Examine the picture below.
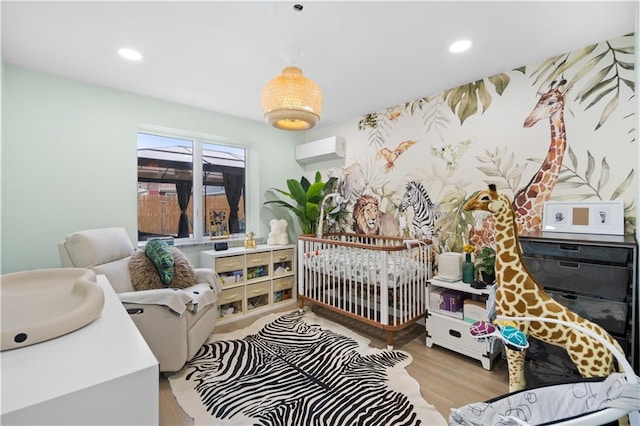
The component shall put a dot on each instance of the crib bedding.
(365, 266)
(375, 279)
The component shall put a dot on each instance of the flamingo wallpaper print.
(562, 129)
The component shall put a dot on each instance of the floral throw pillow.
(161, 255)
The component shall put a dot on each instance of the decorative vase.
(488, 278)
(468, 269)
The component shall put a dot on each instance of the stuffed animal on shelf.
(249, 242)
(278, 235)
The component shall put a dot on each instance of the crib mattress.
(366, 266)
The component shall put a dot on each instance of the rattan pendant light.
(291, 101)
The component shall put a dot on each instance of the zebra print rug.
(299, 369)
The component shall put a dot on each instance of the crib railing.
(380, 280)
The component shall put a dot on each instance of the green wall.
(69, 160)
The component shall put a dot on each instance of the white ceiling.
(365, 56)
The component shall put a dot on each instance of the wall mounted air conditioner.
(330, 148)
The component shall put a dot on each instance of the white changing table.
(103, 373)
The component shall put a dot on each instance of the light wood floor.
(446, 378)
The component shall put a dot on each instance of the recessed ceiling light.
(130, 54)
(460, 46)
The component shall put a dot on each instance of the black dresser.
(593, 275)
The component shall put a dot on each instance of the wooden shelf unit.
(253, 280)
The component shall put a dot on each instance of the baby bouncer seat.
(585, 402)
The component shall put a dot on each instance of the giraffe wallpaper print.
(562, 129)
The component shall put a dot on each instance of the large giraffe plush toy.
(519, 295)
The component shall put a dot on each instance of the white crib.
(375, 279)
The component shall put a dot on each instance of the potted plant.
(486, 263)
(307, 197)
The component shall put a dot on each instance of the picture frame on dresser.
(218, 224)
(584, 217)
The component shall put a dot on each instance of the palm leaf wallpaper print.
(545, 131)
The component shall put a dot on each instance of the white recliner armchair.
(174, 323)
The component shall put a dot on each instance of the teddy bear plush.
(278, 235)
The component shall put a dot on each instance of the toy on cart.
(504, 330)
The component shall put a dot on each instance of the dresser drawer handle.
(569, 247)
(569, 296)
(232, 296)
(455, 333)
(572, 265)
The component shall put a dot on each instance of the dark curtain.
(233, 189)
(183, 190)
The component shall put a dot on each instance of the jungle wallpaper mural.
(562, 129)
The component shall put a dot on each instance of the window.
(169, 167)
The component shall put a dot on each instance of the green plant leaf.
(281, 203)
(469, 104)
(489, 171)
(515, 172)
(627, 50)
(594, 83)
(568, 184)
(283, 192)
(585, 70)
(544, 67)
(330, 184)
(318, 177)
(573, 158)
(297, 191)
(623, 186)
(308, 198)
(604, 174)
(608, 109)
(304, 183)
(314, 193)
(453, 97)
(571, 60)
(500, 82)
(626, 65)
(509, 162)
(312, 212)
(484, 95)
(629, 83)
(591, 164)
(600, 96)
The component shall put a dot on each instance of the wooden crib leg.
(390, 340)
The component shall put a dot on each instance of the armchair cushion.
(174, 299)
(98, 246)
(161, 255)
(193, 298)
(144, 275)
(117, 272)
(201, 295)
